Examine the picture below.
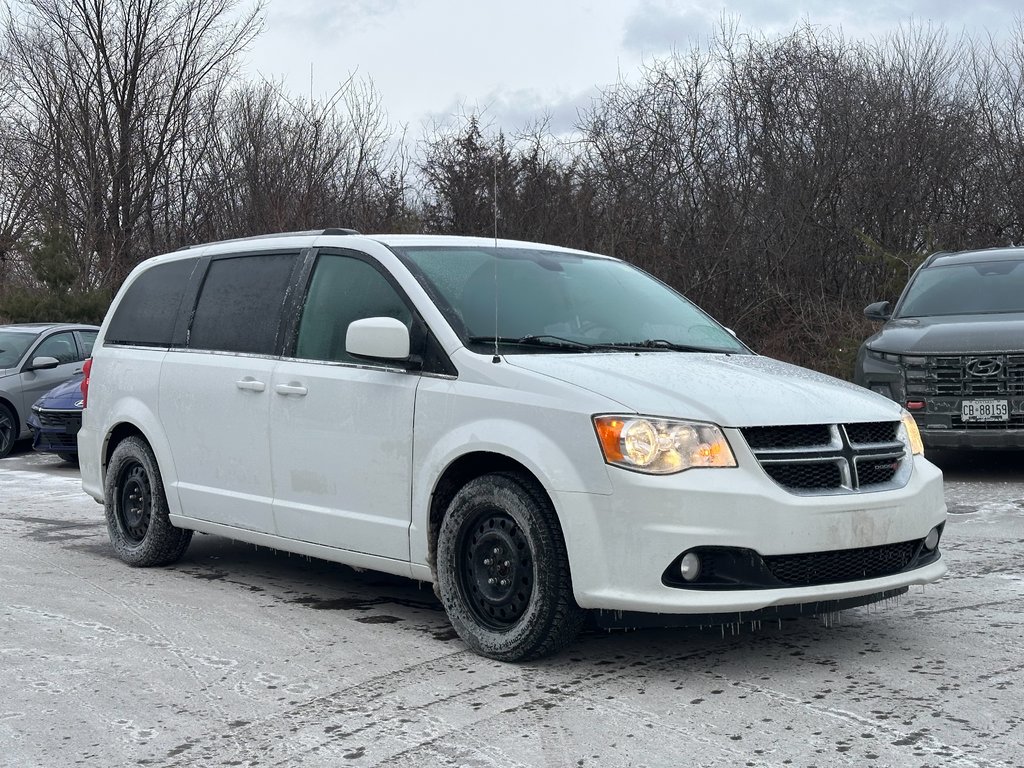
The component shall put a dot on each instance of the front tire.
(136, 508)
(9, 429)
(502, 570)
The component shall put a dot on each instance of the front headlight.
(913, 434)
(889, 357)
(661, 446)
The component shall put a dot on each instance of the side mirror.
(880, 311)
(384, 338)
(43, 363)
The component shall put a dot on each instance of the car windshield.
(986, 287)
(12, 346)
(527, 300)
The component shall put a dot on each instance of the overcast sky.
(518, 60)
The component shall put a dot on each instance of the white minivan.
(543, 433)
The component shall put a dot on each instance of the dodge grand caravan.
(543, 433)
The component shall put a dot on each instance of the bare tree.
(274, 163)
(110, 90)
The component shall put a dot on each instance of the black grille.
(71, 421)
(798, 436)
(805, 476)
(726, 568)
(57, 442)
(829, 458)
(842, 565)
(872, 432)
(951, 376)
(876, 472)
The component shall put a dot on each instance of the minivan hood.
(730, 390)
(962, 334)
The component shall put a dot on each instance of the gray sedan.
(35, 358)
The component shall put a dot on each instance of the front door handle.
(250, 384)
(291, 388)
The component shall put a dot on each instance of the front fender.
(556, 444)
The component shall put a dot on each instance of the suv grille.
(966, 375)
(831, 458)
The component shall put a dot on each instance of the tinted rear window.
(240, 304)
(148, 311)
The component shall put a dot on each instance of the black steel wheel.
(9, 429)
(502, 571)
(136, 508)
(496, 570)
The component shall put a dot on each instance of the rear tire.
(136, 508)
(9, 430)
(502, 570)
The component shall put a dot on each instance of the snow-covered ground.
(244, 656)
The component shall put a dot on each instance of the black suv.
(952, 351)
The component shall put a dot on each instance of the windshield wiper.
(534, 340)
(654, 344)
(560, 342)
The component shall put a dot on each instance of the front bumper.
(942, 427)
(55, 431)
(997, 439)
(620, 545)
(934, 391)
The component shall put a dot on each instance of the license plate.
(984, 410)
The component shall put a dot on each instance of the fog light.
(931, 541)
(689, 566)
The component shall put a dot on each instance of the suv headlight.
(661, 446)
(912, 434)
(887, 356)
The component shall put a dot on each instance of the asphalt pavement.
(244, 656)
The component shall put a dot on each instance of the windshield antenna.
(494, 202)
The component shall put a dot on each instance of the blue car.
(56, 418)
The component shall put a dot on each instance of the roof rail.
(932, 257)
(307, 233)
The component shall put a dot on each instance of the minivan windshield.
(12, 346)
(527, 300)
(986, 287)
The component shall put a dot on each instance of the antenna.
(494, 202)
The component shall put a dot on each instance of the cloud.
(520, 110)
(315, 19)
(655, 28)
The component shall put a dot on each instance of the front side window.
(343, 289)
(240, 304)
(59, 345)
(525, 299)
(965, 289)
